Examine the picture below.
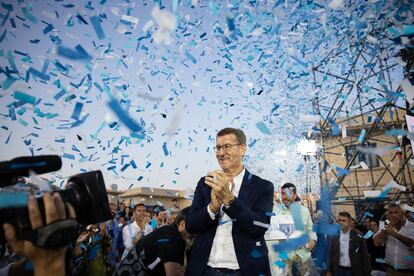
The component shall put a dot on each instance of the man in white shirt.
(228, 215)
(133, 232)
(348, 254)
(398, 237)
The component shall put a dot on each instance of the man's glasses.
(225, 147)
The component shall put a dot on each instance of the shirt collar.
(238, 179)
(346, 233)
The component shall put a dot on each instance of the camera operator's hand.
(45, 261)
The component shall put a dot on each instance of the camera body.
(86, 192)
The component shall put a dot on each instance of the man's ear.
(243, 149)
(181, 226)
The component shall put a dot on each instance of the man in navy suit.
(229, 215)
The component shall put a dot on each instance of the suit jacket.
(255, 199)
(358, 255)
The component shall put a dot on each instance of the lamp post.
(307, 148)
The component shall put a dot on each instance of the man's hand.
(310, 245)
(137, 237)
(45, 261)
(389, 229)
(215, 203)
(219, 183)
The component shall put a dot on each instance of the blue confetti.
(77, 111)
(368, 234)
(361, 136)
(252, 143)
(328, 229)
(342, 171)
(287, 191)
(230, 24)
(291, 244)
(283, 255)
(69, 156)
(335, 128)
(24, 98)
(78, 54)
(2, 36)
(280, 264)
(29, 16)
(125, 167)
(48, 28)
(164, 148)
(38, 74)
(190, 57)
(123, 116)
(96, 24)
(263, 128)
(396, 132)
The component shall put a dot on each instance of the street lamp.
(307, 148)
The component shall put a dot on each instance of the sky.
(139, 89)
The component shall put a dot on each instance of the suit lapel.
(352, 240)
(246, 186)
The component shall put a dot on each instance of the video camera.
(86, 192)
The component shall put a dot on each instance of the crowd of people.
(225, 232)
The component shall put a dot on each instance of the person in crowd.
(375, 252)
(299, 261)
(228, 215)
(175, 208)
(162, 218)
(122, 209)
(171, 217)
(122, 221)
(162, 252)
(133, 232)
(354, 226)
(409, 216)
(347, 254)
(367, 224)
(114, 230)
(398, 237)
(129, 214)
(44, 261)
(154, 222)
(92, 252)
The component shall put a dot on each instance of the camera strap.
(55, 235)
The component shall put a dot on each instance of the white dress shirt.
(223, 254)
(344, 249)
(129, 232)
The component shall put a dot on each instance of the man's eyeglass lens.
(226, 147)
